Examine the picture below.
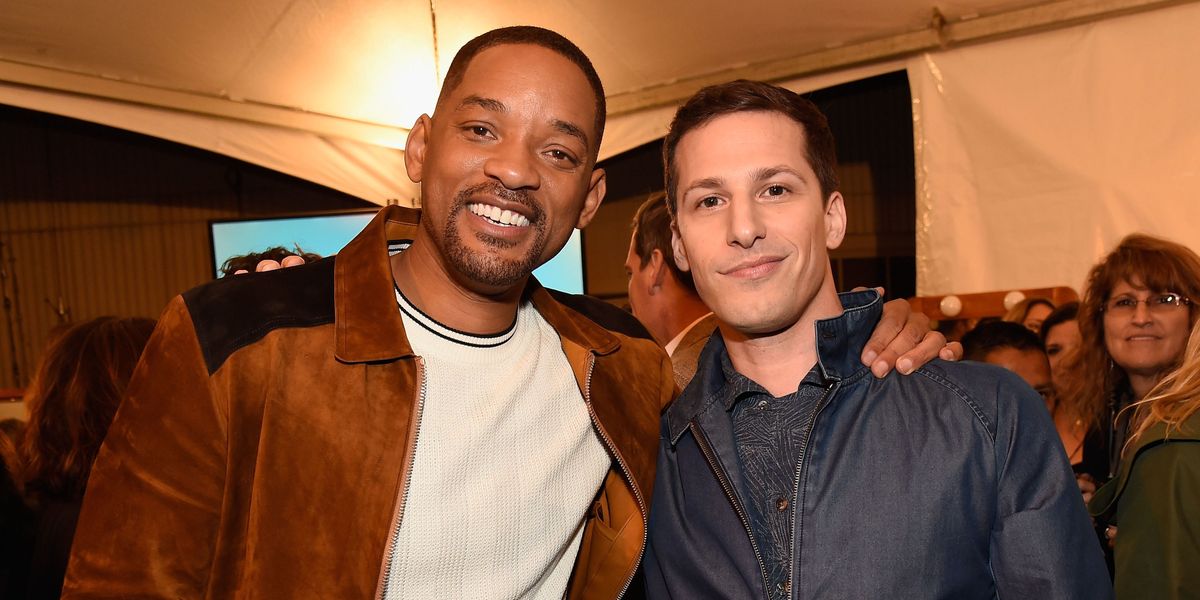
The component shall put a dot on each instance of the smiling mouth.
(498, 216)
(753, 268)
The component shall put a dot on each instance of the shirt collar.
(840, 341)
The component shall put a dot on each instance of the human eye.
(1122, 303)
(709, 202)
(1168, 299)
(1053, 349)
(558, 155)
(775, 190)
(478, 130)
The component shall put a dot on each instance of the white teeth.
(496, 215)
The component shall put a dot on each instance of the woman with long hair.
(1134, 319)
(1155, 499)
(71, 402)
(1060, 339)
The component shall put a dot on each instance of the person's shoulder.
(988, 390)
(974, 378)
(603, 314)
(237, 310)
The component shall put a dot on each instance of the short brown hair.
(535, 36)
(652, 231)
(744, 96)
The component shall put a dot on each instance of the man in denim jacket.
(785, 469)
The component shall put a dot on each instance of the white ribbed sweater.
(506, 466)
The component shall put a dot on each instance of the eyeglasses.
(1158, 303)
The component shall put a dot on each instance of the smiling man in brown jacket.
(417, 417)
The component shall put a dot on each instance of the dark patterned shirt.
(770, 434)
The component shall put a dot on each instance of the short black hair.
(994, 335)
(536, 36)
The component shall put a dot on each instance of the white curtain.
(1036, 154)
(371, 172)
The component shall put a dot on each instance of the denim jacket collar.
(840, 341)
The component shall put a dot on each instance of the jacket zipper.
(637, 494)
(389, 553)
(802, 469)
(706, 449)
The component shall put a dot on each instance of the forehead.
(525, 78)
(741, 141)
(1024, 362)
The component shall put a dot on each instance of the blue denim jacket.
(948, 483)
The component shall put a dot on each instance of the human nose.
(745, 223)
(1141, 313)
(512, 164)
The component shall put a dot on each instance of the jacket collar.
(569, 324)
(1106, 497)
(369, 326)
(840, 341)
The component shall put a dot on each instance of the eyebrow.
(572, 130)
(769, 172)
(755, 175)
(707, 182)
(491, 104)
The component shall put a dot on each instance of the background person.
(1060, 338)
(1014, 347)
(1155, 499)
(1134, 320)
(1030, 313)
(71, 402)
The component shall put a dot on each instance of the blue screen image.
(328, 234)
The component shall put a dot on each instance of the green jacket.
(1155, 503)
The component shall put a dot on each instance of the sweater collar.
(369, 327)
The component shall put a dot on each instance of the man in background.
(1014, 347)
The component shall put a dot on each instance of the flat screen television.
(326, 234)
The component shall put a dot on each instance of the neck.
(680, 309)
(779, 361)
(1142, 384)
(423, 276)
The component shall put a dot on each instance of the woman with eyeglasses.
(1155, 498)
(1134, 320)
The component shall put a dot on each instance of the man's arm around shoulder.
(1043, 545)
(149, 521)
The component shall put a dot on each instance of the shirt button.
(762, 404)
(781, 504)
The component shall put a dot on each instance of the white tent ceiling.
(325, 89)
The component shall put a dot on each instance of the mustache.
(496, 190)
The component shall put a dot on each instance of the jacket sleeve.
(1043, 545)
(1158, 524)
(149, 520)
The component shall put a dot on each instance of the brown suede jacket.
(267, 436)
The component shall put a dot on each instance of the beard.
(490, 267)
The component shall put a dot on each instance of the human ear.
(681, 259)
(658, 266)
(595, 195)
(835, 221)
(414, 148)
